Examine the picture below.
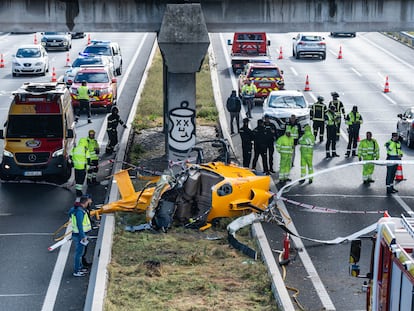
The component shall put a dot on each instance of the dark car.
(56, 41)
(405, 126)
(77, 35)
(343, 34)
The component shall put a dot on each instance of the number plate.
(33, 173)
(265, 84)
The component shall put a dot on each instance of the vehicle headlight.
(57, 153)
(104, 91)
(7, 154)
(39, 63)
(43, 43)
(65, 42)
(16, 63)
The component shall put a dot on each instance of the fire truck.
(390, 284)
(248, 47)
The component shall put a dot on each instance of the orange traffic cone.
(399, 174)
(340, 53)
(386, 214)
(1, 61)
(53, 75)
(286, 247)
(280, 53)
(89, 39)
(307, 87)
(387, 86)
(35, 39)
(67, 60)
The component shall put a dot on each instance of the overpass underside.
(220, 15)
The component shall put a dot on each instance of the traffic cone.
(386, 214)
(1, 61)
(340, 53)
(286, 247)
(35, 39)
(307, 87)
(387, 86)
(67, 60)
(280, 53)
(399, 174)
(53, 75)
(89, 39)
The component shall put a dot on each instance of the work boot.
(310, 181)
(301, 181)
(335, 155)
(79, 193)
(94, 181)
(354, 154)
(328, 155)
(347, 155)
(89, 181)
(89, 121)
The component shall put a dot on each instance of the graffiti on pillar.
(182, 131)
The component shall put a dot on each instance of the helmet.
(320, 98)
(334, 94)
(114, 109)
(91, 132)
(83, 142)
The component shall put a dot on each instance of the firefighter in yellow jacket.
(284, 145)
(93, 148)
(80, 159)
(306, 142)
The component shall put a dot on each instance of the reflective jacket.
(330, 118)
(80, 157)
(318, 111)
(249, 90)
(354, 118)
(393, 148)
(368, 149)
(307, 141)
(84, 92)
(284, 144)
(80, 221)
(93, 148)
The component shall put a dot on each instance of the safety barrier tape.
(287, 187)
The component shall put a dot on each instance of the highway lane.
(359, 78)
(30, 213)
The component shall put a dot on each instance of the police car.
(108, 49)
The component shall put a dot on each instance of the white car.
(304, 45)
(85, 59)
(30, 59)
(280, 105)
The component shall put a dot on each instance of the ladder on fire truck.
(408, 224)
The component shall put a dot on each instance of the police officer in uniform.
(317, 115)
(330, 118)
(271, 135)
(340, 111)
(246, 135)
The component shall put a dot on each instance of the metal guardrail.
(403, 37)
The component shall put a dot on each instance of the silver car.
(405, 126)
(30, 59)
(280, 105)
(309, 45)
(56, 41)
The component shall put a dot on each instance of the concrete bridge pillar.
(183, 40)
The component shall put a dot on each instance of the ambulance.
(38, 133)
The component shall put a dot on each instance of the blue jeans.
(79, 250)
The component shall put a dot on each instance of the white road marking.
(356, 71)
(389, 99)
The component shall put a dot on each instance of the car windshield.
(264, 72)
(311, 38)
(98, 50)
(39, 126)
(54, 33)
(87, 61)
(291, 101)
(28, 53)
(92, 77)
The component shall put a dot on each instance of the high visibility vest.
(368, 149)
(83, 92)
(284, 144)
(86, 223)
(338, 106)
(393, 148)
(353, 118)
(318, 111)
(306, 142)
(294, 131)
(92, 147)
(331, 118)
(249, 90)
(80, 156)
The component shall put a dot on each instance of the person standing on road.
(260, 145)
(394, 153)
(354, 121)
(330, 118)
(368, 149)
(284, 145)
(249, 91)
(81, 224)
(306, 142)
(113, 121)
(93, 148)
(247, 137)
(233, 106)
(84, 93)
(340, 111)
(317, 115)
(271, 136)
(80, 158)
(295, 132)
